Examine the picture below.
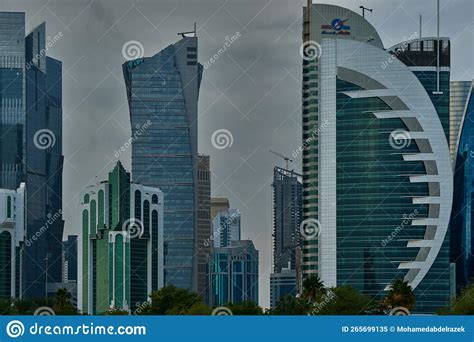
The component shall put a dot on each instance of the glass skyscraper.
(462, 220)
(377, 172)
(164, 90)
(31, 145)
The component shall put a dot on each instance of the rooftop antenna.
(365, 9)
(438, 48)
(286, 159)
(194, 32)
(421, 25)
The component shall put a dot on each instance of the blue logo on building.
(338, 26)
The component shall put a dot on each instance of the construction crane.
(286, 159)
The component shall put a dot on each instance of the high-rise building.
(204, 226)
(31, 147)
(163, 93)
(122, 250)
(377, 174)
(287, 217)
(233, 273)
(226, 228)
(70, 259)
(12, 235)
(459, 95)
(218, 204)
(462, 220)
(282, 284)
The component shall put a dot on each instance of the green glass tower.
(122, 252)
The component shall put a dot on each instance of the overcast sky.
(253, 90)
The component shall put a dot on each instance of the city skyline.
(249, 157)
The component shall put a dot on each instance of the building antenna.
(421, 26)
(438, 48)
(365, 9)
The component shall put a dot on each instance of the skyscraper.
(218, 204)
(287, 217)
(122, 243)
(164, 90)
(377, 173)
(459, 96)
(226, 228)
(462, 220)
(233, 273)
(31, 145)
(204, 226)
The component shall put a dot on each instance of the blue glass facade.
(462, 225)
(163, 90)
(31, 92)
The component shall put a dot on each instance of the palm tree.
(400, 294)
(63, 303)
(313, 288)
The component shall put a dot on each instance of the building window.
(428, 45)
(415, 46)
(138, 204)
(9, 207)
(154, 199)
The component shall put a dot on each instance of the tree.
(344, 300)
(463, 304)
(171, 300)
(63, 303)
(400, 294)
(199, 309)
(245, 308)
(313, 289)
(116, 312)
(290, 305)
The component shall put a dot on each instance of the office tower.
(218, 204)
(287, 217)
(12, 235)
(70, 259)
(31, 123)
(226, 228)
(462, 222)
(377, 174)
(204, 227)
(459, 93)
(163, 93)
(122, 251)
(233, 273)
(282, 284)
